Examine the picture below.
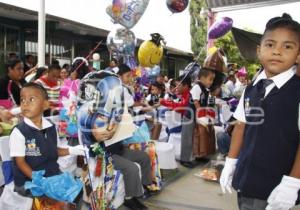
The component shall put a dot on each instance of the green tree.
(233, 54)
(198, 29)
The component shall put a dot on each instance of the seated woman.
(12, 82)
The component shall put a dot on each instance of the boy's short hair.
(54, 67)
(204, 72)
(123, 69)
(172, 83)
(285, 21)
(38, 87)
(184, 80)
(158, 85)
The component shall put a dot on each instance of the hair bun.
(286, 16)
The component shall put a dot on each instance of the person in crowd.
(40, 72)
(12, 81)
(171, 93)
(64, 74)
(204, 140)
(156, 92)
(66, 66)
(113, 66)
(12, 56)
(241, 82)
(230, 84)
(200, 90)
(29, 63)
(152, 100)
(33, 142)
(184, 106)
(50, 82)
(160, 79)
(263, 163)
(126, 78)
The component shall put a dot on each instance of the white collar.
(45, 123)
(280, 79)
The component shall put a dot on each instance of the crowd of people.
(252, 123)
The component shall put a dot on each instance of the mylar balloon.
(176, 6)
(220, 28)
(155, 71)
(127, 12)
(121, 42)
(100, 103)
(151, 51)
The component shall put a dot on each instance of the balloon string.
(191, 67)
(89, 55)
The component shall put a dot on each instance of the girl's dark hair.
(123, 68)
(12, 64)
(285, 21)
(38, 87)
(159, 86)
(82, 70)
(39, 72)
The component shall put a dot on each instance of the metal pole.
(41, 34)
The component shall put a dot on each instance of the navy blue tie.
(262, 85)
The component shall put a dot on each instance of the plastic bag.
(61, 187)
(12, 200)
(140, 135)
(211, 171)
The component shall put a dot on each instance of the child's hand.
(78, 150)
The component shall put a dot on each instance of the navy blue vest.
(203, 96)
(269, 148)
(41, 152)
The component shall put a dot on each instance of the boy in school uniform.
(34, 141)
(204, 141)
(263, 164)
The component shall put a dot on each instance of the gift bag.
(67, 126)
(204, 141)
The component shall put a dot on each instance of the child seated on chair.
(34, 141)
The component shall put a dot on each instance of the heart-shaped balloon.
(176, 6)
(127, 12)
(121, 42)
(220, 28)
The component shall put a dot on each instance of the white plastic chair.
(163, 137)
(173, 120)
(9, 199)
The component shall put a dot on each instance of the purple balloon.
(176, 6)
(220, 28)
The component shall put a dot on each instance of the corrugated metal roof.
(225, 5)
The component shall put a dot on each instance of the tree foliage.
(198, 29)
(233, 54)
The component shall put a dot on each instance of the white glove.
(227, 174)
(284, 196)
(78, 150)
